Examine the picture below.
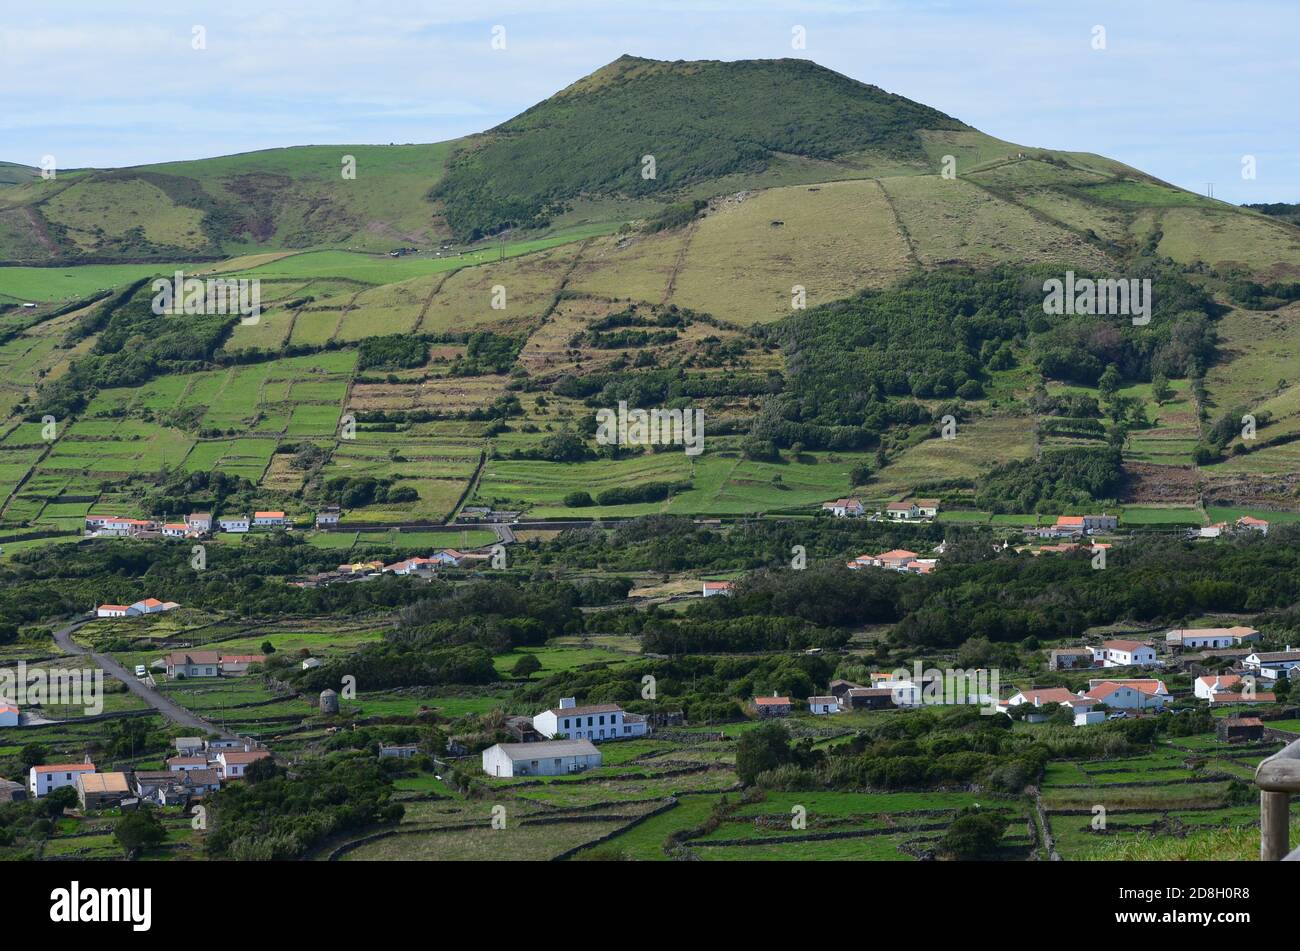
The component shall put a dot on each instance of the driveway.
(172, 711)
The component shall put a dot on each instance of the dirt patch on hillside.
(1151, 483)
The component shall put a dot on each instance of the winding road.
(171, 710)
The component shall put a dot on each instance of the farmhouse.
(43, 780)
(772, 706)
(714, 588)
(188, 745)
(1100, 523)
(902, 510)
(897, 560)
(175, 529)
(1249, 523)
(150, 606)
(111, 610)
(200, 522)
(549, 758)
(1066, 526)
(869, 698)
(842, 508)
(114, 527)
(328, 516)
(197, 664)
(823, 705)
(413, 566)
(269, 520)
(102, 790)
(927, 508)
(1210, 637)
(160, 786)
(397, 750)
(600, 721)
(1121, 653)
(1129, 694)
(235, 524)
(237, 664)
(1270, 665)
(449, 556)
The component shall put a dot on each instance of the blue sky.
(1183, 89)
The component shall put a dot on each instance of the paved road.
(172, 711)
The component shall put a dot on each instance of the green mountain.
(699, 121)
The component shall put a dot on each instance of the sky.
(1185, 90)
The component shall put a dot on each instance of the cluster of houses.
(194, 525)
(914, 510)
(562, 739)
(898, 559)
(419, 566)
(1246, 523)
(138, 609)
(199, 768)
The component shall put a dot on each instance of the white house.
(235, 524)
(548, 758)
(1206, 687)
(199, 521)
(903, 510)
(448, 556)
(150, 606)
(329, 515)
(1040, 697)
(1253, 524)
(269, 520)
(842, 508)
(413, 566)
(1124, 653)
(714, 588)
(233, 764)
(43, 780)
(111, 610)
(1211, 637)
(1271, 665)
(599, 721)
(183, 764)
(8, 714)
(926, 508)
(823, 705)
(190, 664)
(1129, 694)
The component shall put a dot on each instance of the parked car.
(1118, 716)
(140, 671)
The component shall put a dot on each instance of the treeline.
(1056, 481)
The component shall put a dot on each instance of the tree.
(138, 830)
(1109, 382)
(526, 666)
(33, 754)
(763, 748)
(268, 647)
(973, 834)
(1161, 391)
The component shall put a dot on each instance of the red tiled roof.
(771, 701)
(65, 768)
